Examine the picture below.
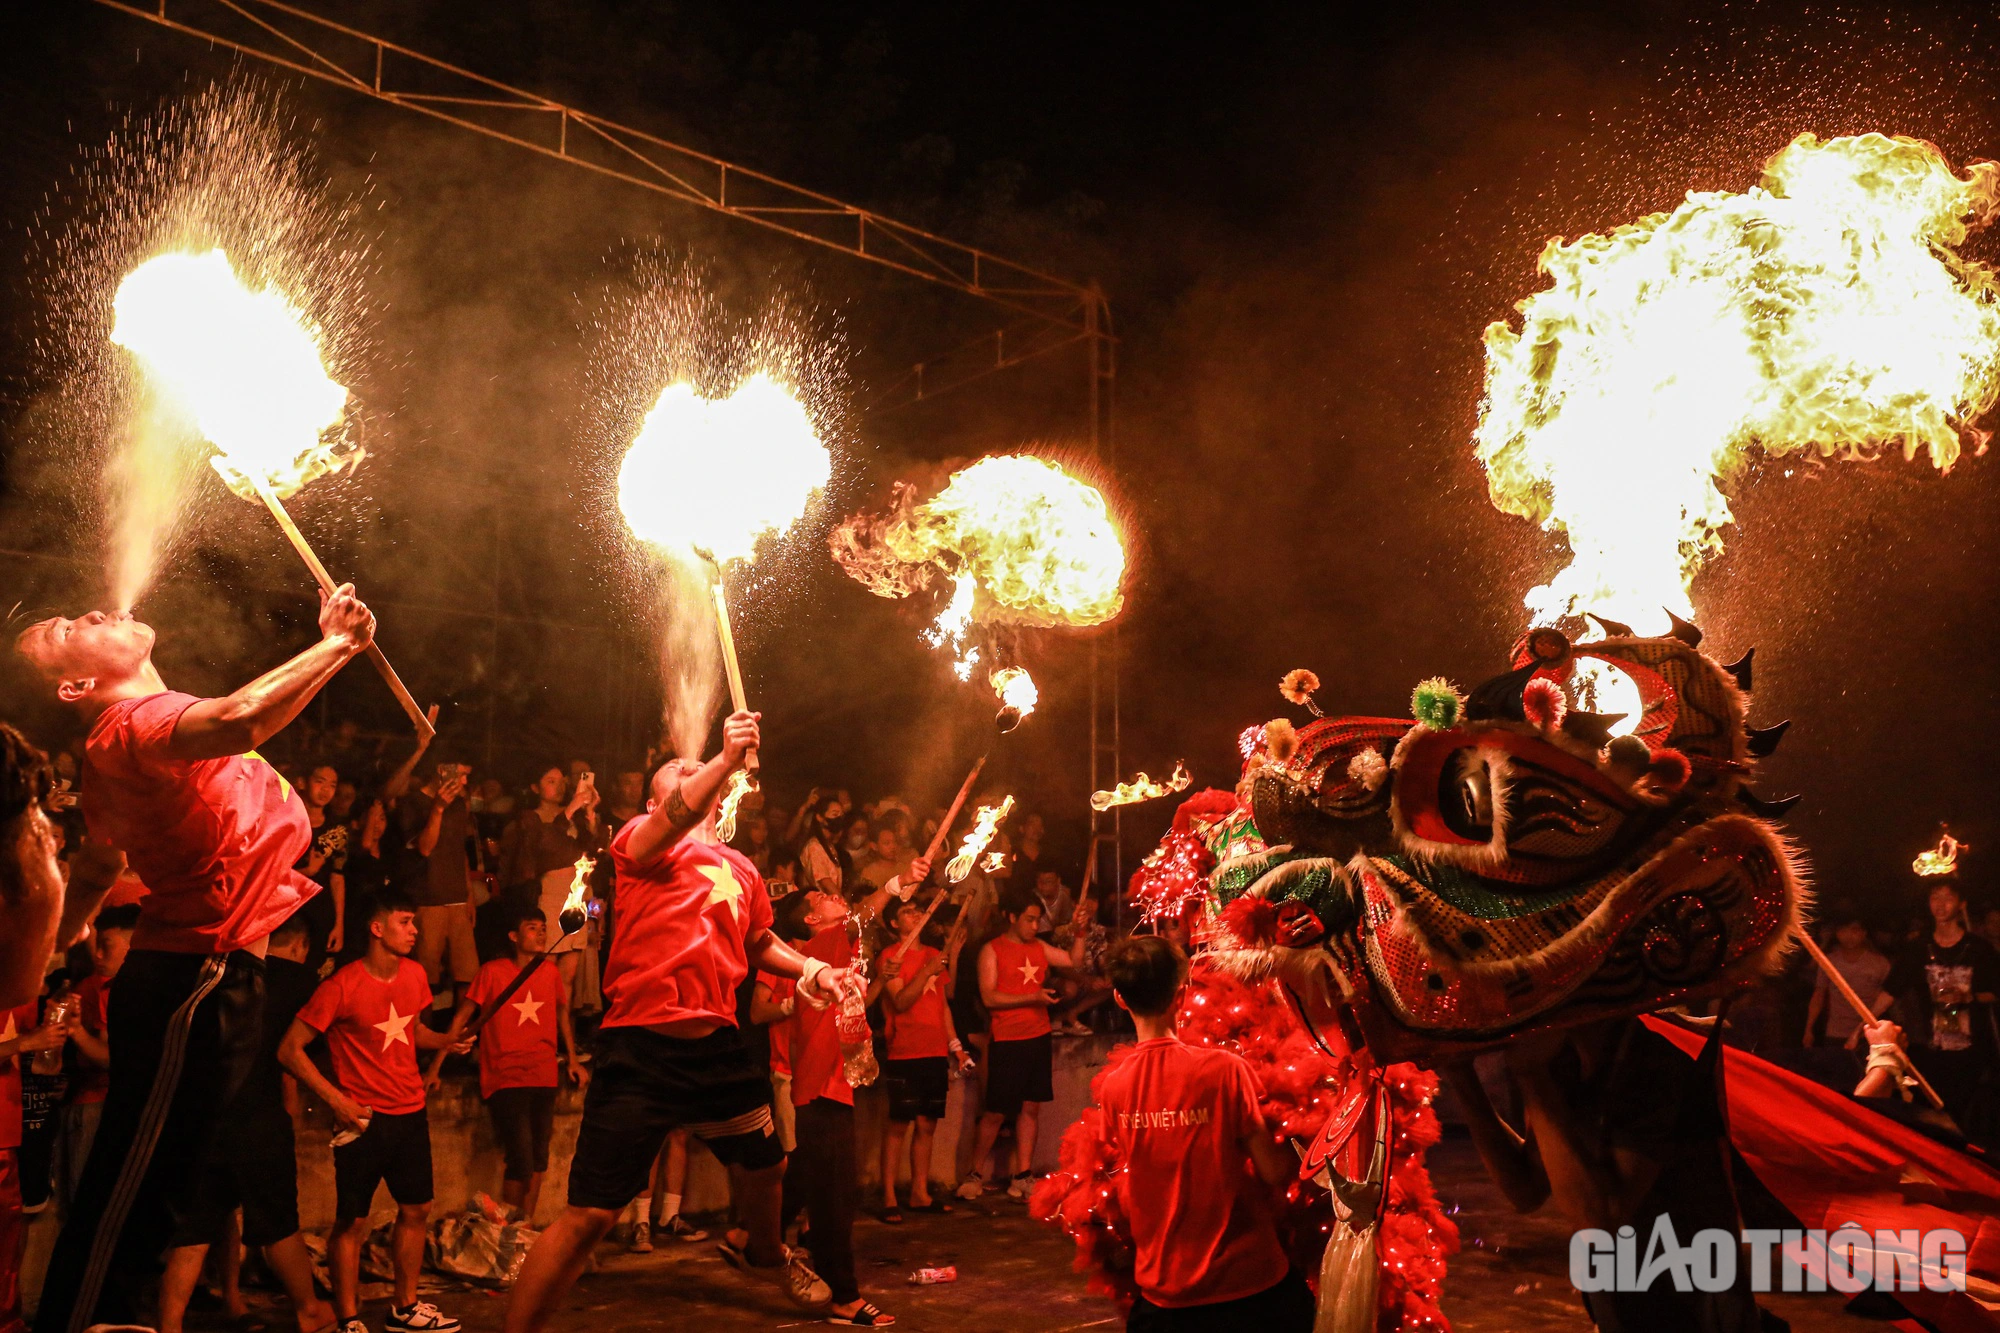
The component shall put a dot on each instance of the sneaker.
(683, 1230)
(972, 1186)
(1021, 1186)
(642, 1238)
(803, 1287)
(418, 1317)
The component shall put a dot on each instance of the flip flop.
(891, 1215)
(938, 1206)
(866, 1317)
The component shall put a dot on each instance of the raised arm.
(238, 723)
(682, 800)
(398, 782)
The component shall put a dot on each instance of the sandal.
(865, 1317)
(934, 1206)
(891, 1215)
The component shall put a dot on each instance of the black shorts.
(256, 1169)
(523, 1119)
(1284, 1308)
(917, 1087)
(1018, 1072)
(643, 1085)
(396, 1150)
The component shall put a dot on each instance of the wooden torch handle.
(1861, 1009)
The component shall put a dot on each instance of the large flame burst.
(244, 366)
(1940, 860)
(1019, 540)
(984, 825)
(718, 474)
(1823, 312)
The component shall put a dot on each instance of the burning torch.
(573, 917)
(246, 366)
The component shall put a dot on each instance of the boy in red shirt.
(370, 1012)
(175, 783)
(693, 920)
(1207, 1255)
(19, 1039)
(923, 1046)
(1020, 1068)
(517, 1054)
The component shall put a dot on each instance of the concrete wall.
(466, 1160)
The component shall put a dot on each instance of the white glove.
(809, 988)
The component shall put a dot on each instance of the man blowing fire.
(175, 782)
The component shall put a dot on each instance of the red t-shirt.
(88, 1083)
(517, 1047)
(817, 1067)
(1201, 1223)
(14, 1023)
(214, 839)
(683, 920)
(369, 1025)
(782, 989)
(918, 1032)
(1019, 969)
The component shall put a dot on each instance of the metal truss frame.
(1050, 313)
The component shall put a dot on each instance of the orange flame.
(1142, 788)
(1015, 689)
(1824, 312)
(984, 825)
(1942, 859)
(244, 366)
(579, 886)
(732, 797)
(994, 863)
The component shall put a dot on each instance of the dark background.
(1303, 217)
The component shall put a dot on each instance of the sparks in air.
(1141, 788)
(1015, 689)
(243, 365)
(574, 912)
(738, 787)
(984, 825)
(759, 446)
(1825, 312)
(1940, 860)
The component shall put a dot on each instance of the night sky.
(1302, 220)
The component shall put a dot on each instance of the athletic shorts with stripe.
(642, 1085)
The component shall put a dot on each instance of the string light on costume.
(1942, 859)
(984, 825)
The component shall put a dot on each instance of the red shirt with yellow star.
(370, 1032)
(517, 1047)
(916, 1033)
(683, 920)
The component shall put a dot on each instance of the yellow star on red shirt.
(1030, 973)
(11, 1031)
(725, 888)
(530, 1011)
(394, 1028)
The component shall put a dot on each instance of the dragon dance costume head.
(1504, 861)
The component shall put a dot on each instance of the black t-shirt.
(756, 1037)
(287, 987)
(1927, 970)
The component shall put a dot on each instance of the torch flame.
(732, 796)
(1941, 860)
(1142, 788)
(1016, 689)
(994, 863)
(573, 908)
(717, 474)
(984, 825)
(953, 627)
(1823, 312)
(245, 366)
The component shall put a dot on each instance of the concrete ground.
(1015, 1276)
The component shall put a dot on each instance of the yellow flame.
(732, 797)
(984, 825)
(717, 474)
(1016, 689)
(1036, 545)
(1822, 312)
(953, 628)
(1142, 788)
(244, 366)
(1600, 687)
(1941, 860)
(994, 863)
(579, 885)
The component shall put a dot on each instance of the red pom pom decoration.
(1670, 769)
(1209, 803)
(1252, 920)
(1543, 703)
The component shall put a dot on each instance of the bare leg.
(177, 1284)
(227, 1254)
(553, 1266)
(343, 1261)
(760, 1203)
(672, 1173)
(514, 1193)
(1024, 1136)
(289, 1260)
(534, 1197)
(406, 1243)
(892, 1152)
(922, 1137)
(990, 1125)
(973, 1093)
